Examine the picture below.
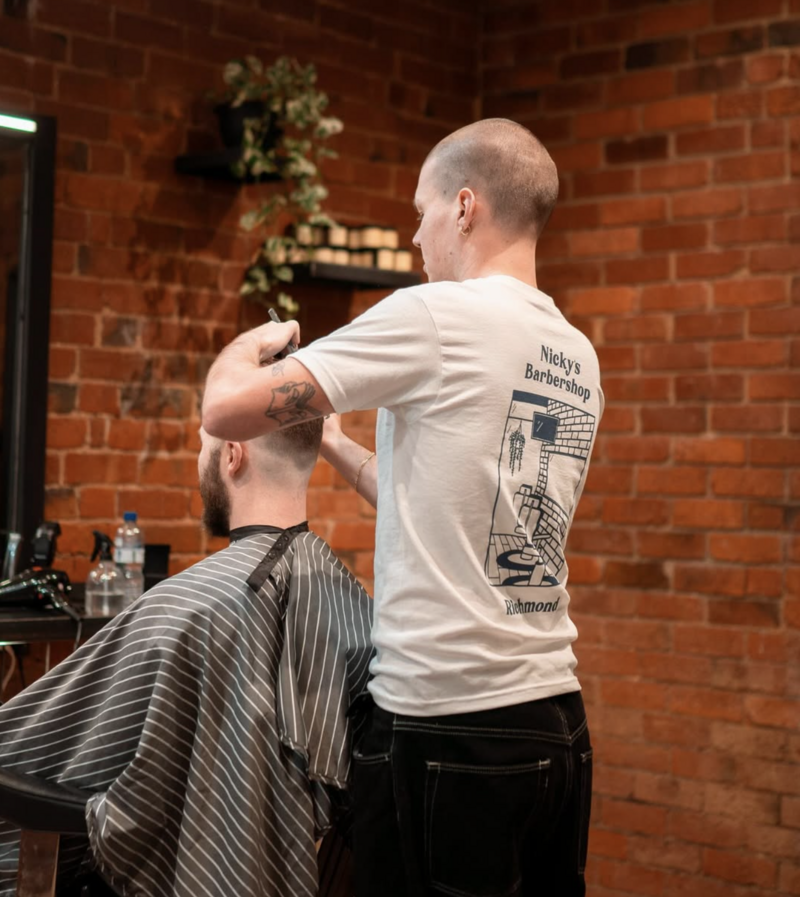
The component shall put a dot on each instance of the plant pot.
(231, 122)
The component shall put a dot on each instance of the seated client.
(210, 718)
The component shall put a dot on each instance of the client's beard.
(216, 502)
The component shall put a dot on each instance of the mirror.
(27, 167)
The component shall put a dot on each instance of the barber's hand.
(269, 340)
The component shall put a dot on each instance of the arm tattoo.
(290, 403)
(278, 367)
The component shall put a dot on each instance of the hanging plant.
(516, 448)
(286, 140)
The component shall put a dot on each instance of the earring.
(465, 233)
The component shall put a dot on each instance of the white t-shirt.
(489, 405)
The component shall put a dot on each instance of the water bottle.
(105, 591)
(129, 556)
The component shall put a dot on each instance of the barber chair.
(45, 811)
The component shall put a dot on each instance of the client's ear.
(234, 458)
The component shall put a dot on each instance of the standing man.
(474, 775)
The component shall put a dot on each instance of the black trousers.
(487, 804)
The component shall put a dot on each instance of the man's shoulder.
(226, 569)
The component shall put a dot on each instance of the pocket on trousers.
(474, 818)
(585, 808)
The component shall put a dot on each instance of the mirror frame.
(24, 421)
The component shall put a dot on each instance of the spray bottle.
(105, 591)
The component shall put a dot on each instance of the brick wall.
(147, 263)
(676, 248)
(675, 127)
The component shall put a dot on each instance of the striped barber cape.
(211, 720)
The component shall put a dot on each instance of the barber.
(474, 774)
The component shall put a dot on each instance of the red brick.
(160, 504)
(708, 514)
(753, 167)
(634, 329)
(611, 241)
(98, 502)
(751, 292)
(684, 18)
(98, 397)
(674, 176)
(709, 387)
(707, 203)
(75, 15)
(126, 434)
(633, 210)
(722, 43)
(80, 89)
(765, 69)
(62, 363)
(747, 419)
(735, 867)
(94, 467)
(600, 183)
(710, 264)
(675, 236)
(633, 817)
(736, 10)
(714, 641)
(684, 419)
(717, 76)
(607, 123)
(637, 270)
(671, 545)
(767, 134)
(776, 321)
(755, 229)
(636, 389)
(672, 357)
(603, 300)
(775, 258)
(709, 326)
(742, 104)
(774, 386)
(774, 198)
(635, 511)
(72, 329)
(745, 549)
(674, 297)
(705, 703)
(783, 101)
(640, 87)
(65, 432)
(681, 481)
(672, 113)
(774, 452)
(169, 471)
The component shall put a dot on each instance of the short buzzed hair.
(300, 443)
(507, 164)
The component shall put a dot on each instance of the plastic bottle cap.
(129, 516)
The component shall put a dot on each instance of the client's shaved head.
(505, 164)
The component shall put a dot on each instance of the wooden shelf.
(217, 165)
(354, 277)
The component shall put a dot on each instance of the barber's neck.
(254, 505)
(496, 256)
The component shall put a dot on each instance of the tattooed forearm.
(291, 403)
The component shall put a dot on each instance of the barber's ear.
(234, 458)
(466, 208)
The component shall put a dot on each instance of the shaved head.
(502, 162)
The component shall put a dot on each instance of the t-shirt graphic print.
(543, 456)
